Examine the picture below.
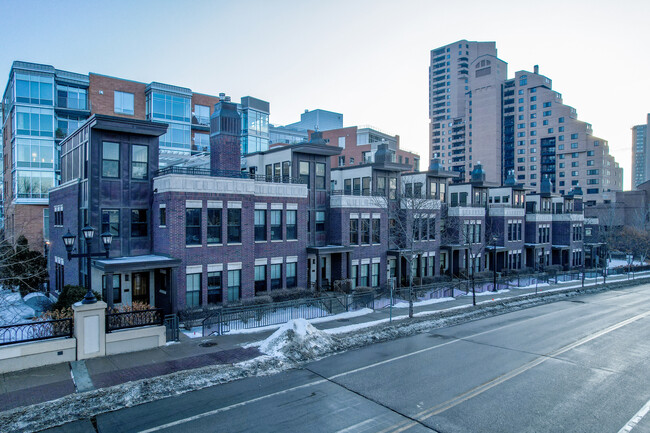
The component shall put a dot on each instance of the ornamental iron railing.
(134, 319)
(35, 331)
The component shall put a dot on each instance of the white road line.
(636, 418)
(336, 376)
(356, 426)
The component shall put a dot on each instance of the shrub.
(70, 295)
(281, 295)
(362, 290)
(257, 300)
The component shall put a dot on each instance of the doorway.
(140, 287)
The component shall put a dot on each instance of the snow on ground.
(422, 303)
(532, 286)
(297, 340)
(195, 332)
(616, 263)
(13, 309)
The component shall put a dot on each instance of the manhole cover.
(208, 344)
(343, 320)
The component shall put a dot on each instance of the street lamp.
(494, 263)
(88, 234)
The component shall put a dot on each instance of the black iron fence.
(34, 331)
(134, 319)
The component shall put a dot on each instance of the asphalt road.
(581, 365)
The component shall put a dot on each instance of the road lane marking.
(336, 376)
(636, 418)
(357, 425)
(442, 407)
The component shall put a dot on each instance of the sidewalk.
(42, 384)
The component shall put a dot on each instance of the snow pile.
(297, 340)
(422, 303)
(13, 309)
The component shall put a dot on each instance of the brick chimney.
(225, 137)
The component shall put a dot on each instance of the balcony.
(193, 171)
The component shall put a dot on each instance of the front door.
(141, 287)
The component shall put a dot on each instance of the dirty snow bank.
(297, 340)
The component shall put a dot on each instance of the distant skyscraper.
(640, 156)
(515, 125)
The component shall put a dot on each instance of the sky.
(366, 59)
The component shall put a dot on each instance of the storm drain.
(208, 344)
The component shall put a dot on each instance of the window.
(234, 285)
(341, 161)
(111, 221)
(320, 221)
(276, 276)
(590, 153)
(574, 164)
(363, 275)
(354, 232)
(303, 168)
(347, 186)
(193, 226)
(291, 275)
(342, 142)
(117, 288)
(260, 225)
(214, 226)
(366, 186)
(365, 231)
(193, 290)
(71, 97)
(260, 278)
(292, 226)
(376, 231)
(574, 136)
(215, 289)
(234, 227)
(375, 275)
(163, 216)
(34, 89)
(276, 225)
(574, 145)
(139, 162)
(123, 102)
(139, 223)
(432, 228)
(58, 215)
(201, 114)
(110, 159)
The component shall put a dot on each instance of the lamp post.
(88, 234)
(494, 263)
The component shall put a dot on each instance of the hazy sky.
(366, 59)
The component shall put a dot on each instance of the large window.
(291, 275)
(260, 225)
(124, 102)
(292, 225)
(276, 225)
(320, 221)
(234, 285)
(111, 221)
(34, 89)
(37, 122)
(117, 289)
(215, 289)
(168, 107)
(33, 184)
(276, 276)
(177, 136)
(139, 162)
(365, 231)
(363, 275)
(260, 278)
(66, 125)
(376, 234)
(320, 175)
(354, 232)
(214, 225)
(303, 168)
(71, 97)
(375, 275)
(354, 275)
(139, 223)
(110, 159)
(193, 290)
(201, 142)
(234, 226)
(34, 153)
(201, 115)
(193, 226)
